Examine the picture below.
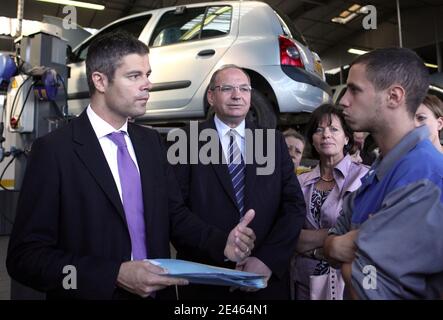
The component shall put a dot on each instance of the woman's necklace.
(326, 180)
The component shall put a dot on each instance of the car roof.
(190, 5)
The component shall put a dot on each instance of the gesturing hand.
(241, 239)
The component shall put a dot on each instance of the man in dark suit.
(99, 196)
(220, 193)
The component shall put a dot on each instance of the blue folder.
(206, 274)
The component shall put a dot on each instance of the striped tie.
(236, 169)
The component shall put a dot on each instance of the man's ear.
(100, 81)
(396, 96)
(210, 97)
(440, 123)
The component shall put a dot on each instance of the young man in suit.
(99, 196)
(221, 192)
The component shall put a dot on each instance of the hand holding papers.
(143, 279)
(206, 274)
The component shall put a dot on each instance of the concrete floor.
(5, 281)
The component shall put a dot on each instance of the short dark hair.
(293, 133)
(388, 66)
(226, 66)
(105, 54)
(328, 110)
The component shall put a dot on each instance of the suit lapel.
(221, 170)
(89, 151)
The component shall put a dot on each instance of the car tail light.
(289, 53)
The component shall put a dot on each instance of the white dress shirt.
(102, 129)
(223, 133)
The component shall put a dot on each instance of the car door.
(185, 45)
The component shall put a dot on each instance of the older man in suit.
(99, 196)
(221, 192)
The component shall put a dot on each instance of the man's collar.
(223, 128)
(406, 144)
(100, 126)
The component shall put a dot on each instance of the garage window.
(192, 24)
(217, 22)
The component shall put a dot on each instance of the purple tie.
(132, 196)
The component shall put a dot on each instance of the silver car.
(188, 43)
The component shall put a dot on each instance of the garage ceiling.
(313, 17)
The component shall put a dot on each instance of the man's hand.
(254, 265)
(143, 278)
(342, 248)
(241, 239)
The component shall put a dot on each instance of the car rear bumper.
(296, 92)
(301, 75)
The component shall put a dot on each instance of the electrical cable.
(4, 171)
(24, 103)
(16, 95)
(66, 95)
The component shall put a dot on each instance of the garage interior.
(334, 29)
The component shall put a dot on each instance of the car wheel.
(261, 111)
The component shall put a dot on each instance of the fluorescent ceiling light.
(344, 20)
(357, 51)
(431, 65)
(333, 70)
(344, 14)
(354, 7)
(336, 70)
(76, 4)
(436, 88)
(347, 15)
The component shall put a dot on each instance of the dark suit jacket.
(70, 213)
(278, 203)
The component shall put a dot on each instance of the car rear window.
(191, 24)
(289, 28)
(133, 26)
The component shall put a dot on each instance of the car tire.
(261, 111)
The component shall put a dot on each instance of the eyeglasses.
(226, 88)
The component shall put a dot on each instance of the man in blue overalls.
(389, 238)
